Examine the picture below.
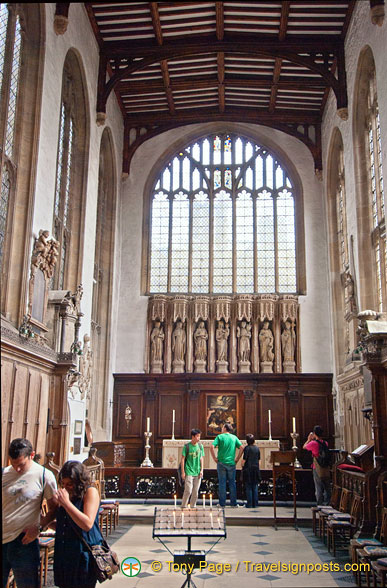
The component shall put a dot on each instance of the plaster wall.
(133, 306)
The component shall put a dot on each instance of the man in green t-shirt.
(192, 469)
(227, 443)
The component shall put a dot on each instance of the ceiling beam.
(219, 20)
(167, 86)
(285, 8)
(231, 80)
(156, 22)
(221, 92)
(251, 115)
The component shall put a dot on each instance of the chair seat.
(382, 561)
(46, 542)
(365, 541)
(341, 516)
(375, 551)
(335, 523)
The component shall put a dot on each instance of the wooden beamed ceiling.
(259, 62)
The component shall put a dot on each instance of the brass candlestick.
(147, 462)
(295, 448)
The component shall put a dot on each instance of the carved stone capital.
(101, 119)
(60, 24)
(343, 113)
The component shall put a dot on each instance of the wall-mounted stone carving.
(223, 334)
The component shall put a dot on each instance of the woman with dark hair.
(251, 473)
(76, 517)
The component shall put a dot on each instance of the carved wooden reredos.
(223, 334)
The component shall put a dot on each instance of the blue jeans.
(322, 488)
(24, 560)
(251, 495)
(226, 473)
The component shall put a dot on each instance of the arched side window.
(22, 47)
(223, 221)
(103, 282)
(370, 187)
(70, 181)
(344, 299)
(10, 62)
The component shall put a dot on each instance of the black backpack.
(324, 457)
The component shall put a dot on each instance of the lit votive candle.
(174, 519)
(219, 522)
(182, 520)
(211, 501)
(212, 521)
(175, 497)
(204, 501)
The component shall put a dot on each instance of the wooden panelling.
(306, 396)
(7, 378)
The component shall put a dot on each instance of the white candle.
(173, 416)
(212, 520)
(211, 501)
(269, 415)
(174, 519)
(219, 522)
(294, 424)
(182, 520)
(147, 424)
(204, 501)
(175, 500)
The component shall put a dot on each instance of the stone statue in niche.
(221, 336)
(200, 339)
(157, 339)
(266, 344)
(288, 345)
(85, 368)
(178, 348)
(244, 336)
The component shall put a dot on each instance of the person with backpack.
(192, 469)
(321, 465)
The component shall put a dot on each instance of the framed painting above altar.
(220, 409)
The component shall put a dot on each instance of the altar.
(172, 450)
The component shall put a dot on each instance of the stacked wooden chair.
(335, 501)
(342, 526)
(326, 512)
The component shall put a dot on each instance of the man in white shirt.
(24, 485)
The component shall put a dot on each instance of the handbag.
(105, 560)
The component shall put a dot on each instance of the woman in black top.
(251, 473)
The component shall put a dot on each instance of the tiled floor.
(261, 545)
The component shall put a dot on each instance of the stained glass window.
(64, 167)
(10, 61)
(375, 170)
(223, 221)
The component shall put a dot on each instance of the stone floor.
(254, 542)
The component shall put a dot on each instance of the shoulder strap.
(41, 500)
(85, 543)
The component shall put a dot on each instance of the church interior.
(193, 233)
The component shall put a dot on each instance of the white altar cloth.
(172, 452)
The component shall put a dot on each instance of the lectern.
(283, 465)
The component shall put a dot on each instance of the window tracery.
(223, 221)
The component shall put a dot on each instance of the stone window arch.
(21, 61)
(223, 218)
(71, 173)
(344, 296)
(370, 191)
(103, 282)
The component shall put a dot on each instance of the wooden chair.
(367, 555)
(324, 513)
(379, 573)
(46, 548)
(357, 546)
(335, 500)
(341, 526)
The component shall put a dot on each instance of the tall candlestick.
(269, 415)
(204, 501)
(147, 424)
(211, 501)
(294, 424)
(173, 416)
(175, 500)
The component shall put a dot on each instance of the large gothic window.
(10, 59)
(223, 221)
(370, 187)
(70, 182)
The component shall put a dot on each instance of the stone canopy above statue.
(223, 334)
